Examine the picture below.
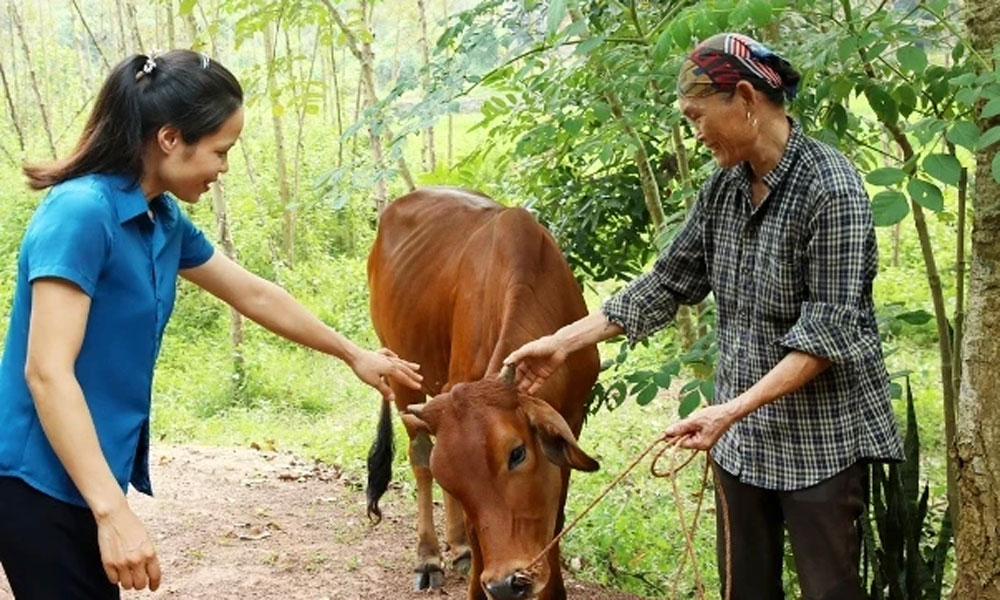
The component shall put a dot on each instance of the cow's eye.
(517, 456)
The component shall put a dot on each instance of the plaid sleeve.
(840, 261)
(679, 276)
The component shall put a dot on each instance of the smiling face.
(187, 170)
(721, 123)
(503, 457)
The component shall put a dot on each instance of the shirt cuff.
(832, 331)
(627, 310)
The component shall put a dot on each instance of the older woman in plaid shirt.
(782, 235)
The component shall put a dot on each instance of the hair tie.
(204, 60)
(146, 68)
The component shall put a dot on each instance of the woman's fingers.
(153, 571)
(138, 573)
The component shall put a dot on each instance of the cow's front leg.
(458, 542)
(429, 574)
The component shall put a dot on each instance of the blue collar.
(130, 202)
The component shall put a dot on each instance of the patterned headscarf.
(720, 62)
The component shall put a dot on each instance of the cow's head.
(502, 455)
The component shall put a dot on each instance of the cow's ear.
(554, 435)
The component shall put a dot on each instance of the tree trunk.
(273, 93)
(362, 50)
(260, 214)
(977, 436)
(430, 160)
(46, 123)
(686, 316)
(13, 112)
(221, 210)
(171, 33)
(133, 22)
(451, 117)
(80, 49)
(93, 38)
(119, 21)
(960, 273)
(948, 390)
(337, 105)
(299, 146)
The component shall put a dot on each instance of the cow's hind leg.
(458, 542)
(429, 574)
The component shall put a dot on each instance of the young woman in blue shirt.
(95, 286)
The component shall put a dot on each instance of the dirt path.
(243, 524)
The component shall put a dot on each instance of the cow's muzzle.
(517, 586)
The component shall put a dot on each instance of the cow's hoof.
(428, 577)
(463, 563)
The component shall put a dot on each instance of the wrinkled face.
(721, 123)
(503, 456)
(187, 170)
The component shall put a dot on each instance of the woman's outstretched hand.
(377, 367)
(535, 362)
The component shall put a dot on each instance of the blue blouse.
(96, 232)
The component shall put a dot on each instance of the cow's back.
(458, 281)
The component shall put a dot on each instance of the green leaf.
(602, 111)
(889, 207)
(913, 58)
(883, 104)
(964, 134)
(186, 7)
(943, 167)
(557, 12)
(996, 167)
(646, 395)
(915, 317)
(963, 80)
(886, 176)
(926, 194)
(895, 390)
(663, 379)
(588, 44)
(957, 52)
(573, 126)
(907, 99)
(681, 32)
(663, 46)
(707, 388)
(989, 137)
(846, 48)
(967, 95)
(991, 109)
(760, 12)
(689, 404)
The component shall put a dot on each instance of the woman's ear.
(746, 92)
(168, 138)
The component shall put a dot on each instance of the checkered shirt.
(795, 273)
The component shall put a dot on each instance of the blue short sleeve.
(195, 247)
(70, 237)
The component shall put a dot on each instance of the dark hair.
(789, 81)
(181, 88)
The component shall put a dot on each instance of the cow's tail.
(380, 462)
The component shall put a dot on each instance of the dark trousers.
(822, 526)
(48, 548)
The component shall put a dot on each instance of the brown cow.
(457, 282)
